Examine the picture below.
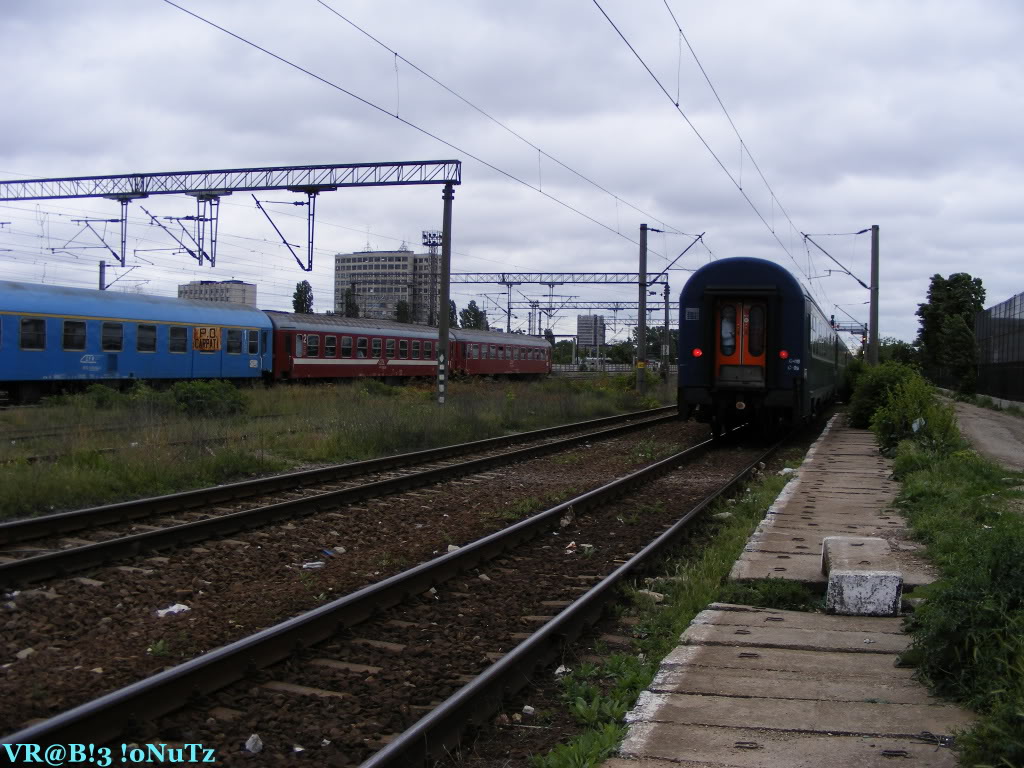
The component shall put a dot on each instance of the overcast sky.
(903, 114)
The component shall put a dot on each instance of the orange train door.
(740, 343)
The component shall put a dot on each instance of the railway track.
(440, 643)
(39, 548)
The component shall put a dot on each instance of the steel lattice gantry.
(209, 186)
(293, 177)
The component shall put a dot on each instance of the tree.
(473, 317)
(562, 353)
(621, 353)
(897, 350)
(959, 294)
(402, 311)
(960, 352)
(549, 336)
(351, 306)
(453, 315)
(302, 299)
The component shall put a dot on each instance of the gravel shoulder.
(996, 435)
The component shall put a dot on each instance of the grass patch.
(772, 593)
(114, 445)
(967, 638)
(597, 696)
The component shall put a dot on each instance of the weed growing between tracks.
(598, 696)
(114, 445)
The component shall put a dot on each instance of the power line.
(493, 119)
(400, 119)
(707, 146)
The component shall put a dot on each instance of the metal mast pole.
(873, 322)
(443, 313)
(667, 343)
(641, 319)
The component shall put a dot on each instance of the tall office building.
(590, 331)
(380, 279)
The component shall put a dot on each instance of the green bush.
(872, 389)
(207, 398)
(853, 372)
(911, 411)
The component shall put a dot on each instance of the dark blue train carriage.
(51, 336)
(754, 346)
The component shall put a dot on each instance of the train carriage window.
(263, 336)
(312, 345)
(428, 350)
(145, 338)
(755, 335)
(33, 333)
(391, 348)
(346, 346)
(361, 347)
(494, 352)
(177, 339)
(112, 337)
(234, 342)
(375, 349)
(254, 342)
(330, 346)
(300, 344)
(728, 329)
(74, 335)
(415, 350)
(484, 354)
(403, 349)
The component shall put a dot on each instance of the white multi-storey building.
(380, 279)
(233, 291)
(590, 331)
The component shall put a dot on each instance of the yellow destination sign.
(206, 339)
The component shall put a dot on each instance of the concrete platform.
(759, 688)
(843, 488)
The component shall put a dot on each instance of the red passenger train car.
(334, 347)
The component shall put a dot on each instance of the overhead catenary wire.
(400, 119)
(496, 121)
(704, 141)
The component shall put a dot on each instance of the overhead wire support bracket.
(864, 285)
(305, 267)
(197, 256)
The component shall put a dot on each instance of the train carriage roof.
(62, 301)
(366, 326)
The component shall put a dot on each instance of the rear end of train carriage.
(753, 347)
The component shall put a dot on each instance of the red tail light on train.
(697, 352)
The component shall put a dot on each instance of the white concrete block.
(864, 593)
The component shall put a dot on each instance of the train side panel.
(51, 336)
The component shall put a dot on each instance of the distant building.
(590, 331)
(232, 291)
(380, 279)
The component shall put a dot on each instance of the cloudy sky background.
(906, 115)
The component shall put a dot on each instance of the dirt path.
(999, 436)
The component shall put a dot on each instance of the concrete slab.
(727, 614)
(843, 718)
(807, 569)
(675, 746)
(715, 681)
(807, 662)
(801, 639)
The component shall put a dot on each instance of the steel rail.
(67, 522)
(62, 562)
(478, 700)
(108, 716)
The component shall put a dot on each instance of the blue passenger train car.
(52, 335)
(754, 346)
